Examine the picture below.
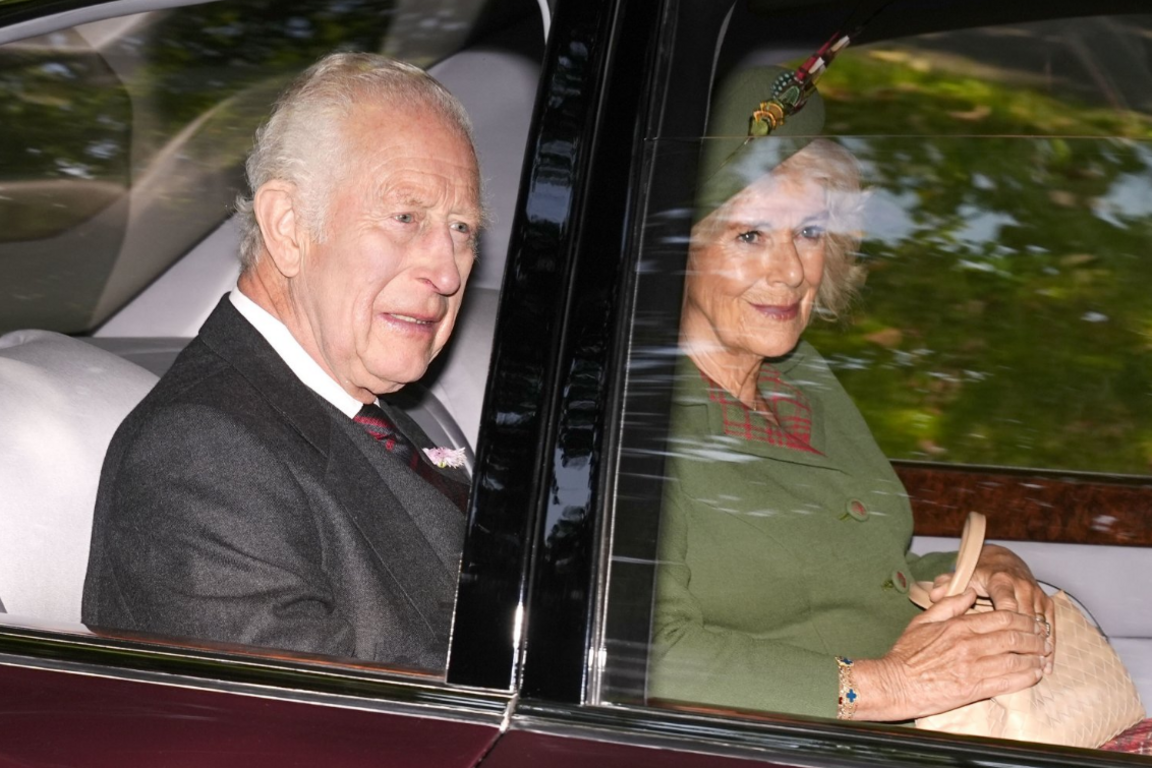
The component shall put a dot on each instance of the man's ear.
(274, 207)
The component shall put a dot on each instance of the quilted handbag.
(1087, 698)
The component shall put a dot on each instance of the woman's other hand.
(947, 658)
(1005, 579)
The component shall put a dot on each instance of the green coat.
(775, 559)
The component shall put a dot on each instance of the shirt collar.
(293, 355)
(743, 429)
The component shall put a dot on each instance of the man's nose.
(438, 265)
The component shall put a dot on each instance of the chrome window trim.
(792, 740)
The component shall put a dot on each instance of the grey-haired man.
(259, 494)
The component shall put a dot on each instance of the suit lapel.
(232, 337)
(418, 558)
(425, 575)
(452, 482)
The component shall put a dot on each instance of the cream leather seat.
(60, 402)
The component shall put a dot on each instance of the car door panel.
(77, 716)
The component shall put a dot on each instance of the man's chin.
(386, 380)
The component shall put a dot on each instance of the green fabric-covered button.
(857, 510)
(900, 581)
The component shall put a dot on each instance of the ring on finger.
(1042, 619)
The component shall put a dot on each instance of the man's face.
(376, 301)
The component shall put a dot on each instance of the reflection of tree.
(567, 545)
(1007, 320)
(44, 97)
(166, 107)
(200, 56)
(880, 92)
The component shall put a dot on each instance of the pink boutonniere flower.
(446, 457)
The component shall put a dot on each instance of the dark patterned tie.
(377, 424)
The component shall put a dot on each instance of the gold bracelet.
(846, 704)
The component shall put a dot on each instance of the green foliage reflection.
(1006, 319)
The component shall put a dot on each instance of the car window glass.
(997, 353)
(1031, 351)
(126, 137)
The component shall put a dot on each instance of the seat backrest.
(60, 402)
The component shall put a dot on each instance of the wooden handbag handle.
(971, 543)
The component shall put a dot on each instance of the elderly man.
(260, 494)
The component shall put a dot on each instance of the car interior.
(62, 395)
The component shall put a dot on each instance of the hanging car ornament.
(791, 90)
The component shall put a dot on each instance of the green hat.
(749, 133)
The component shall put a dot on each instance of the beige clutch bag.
(1087, 698)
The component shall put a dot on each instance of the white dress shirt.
(290, 351)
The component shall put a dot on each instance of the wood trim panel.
(1023, 506)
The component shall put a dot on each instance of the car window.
(126, 137)
(125, 144)
(997, 354)
(1004, 321)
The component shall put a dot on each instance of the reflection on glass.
(125, 138)
(1005, 319)
(1004, 322)
(1060, 77)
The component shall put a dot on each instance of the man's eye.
(462, 227)
(404, 218)
(750, 237)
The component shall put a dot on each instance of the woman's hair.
(837, 171)
(303, 141)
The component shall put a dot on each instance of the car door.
(585, 664)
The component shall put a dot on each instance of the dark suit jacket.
(237, 505)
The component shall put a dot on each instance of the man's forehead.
(414, 153)
(428, 188)
(410, 123)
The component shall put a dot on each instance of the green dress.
(780, 547)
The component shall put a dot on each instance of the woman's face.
(754, 269)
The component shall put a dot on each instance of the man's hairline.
(342, 169)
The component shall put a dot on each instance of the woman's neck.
(738, 374)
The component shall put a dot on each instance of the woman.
(784, 563)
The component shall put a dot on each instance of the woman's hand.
(947, 658)
(1005, 579)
